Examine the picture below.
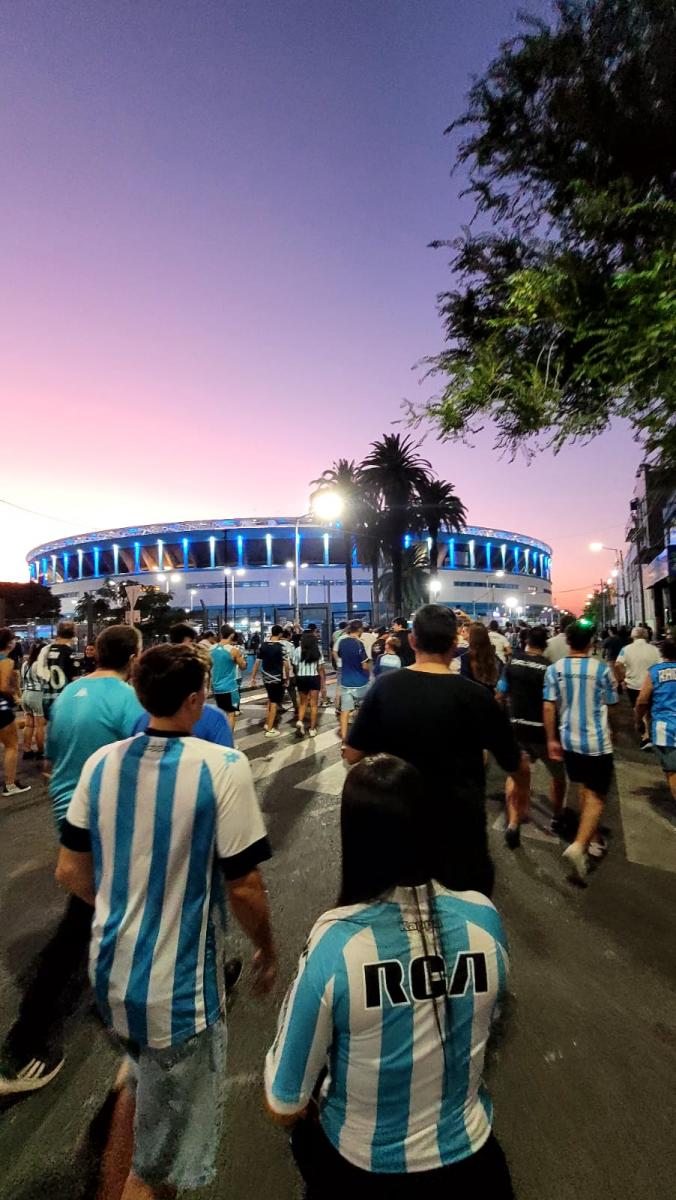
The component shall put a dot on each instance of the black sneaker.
(27, 754)
(646, 744)
(233, 972)
(513, 836)
(27, 1074)
(15, 789)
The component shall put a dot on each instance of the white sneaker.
(300, 729)
(576, 860)
(597, 847)
(15, 789)
(313, 733)
(271, 733)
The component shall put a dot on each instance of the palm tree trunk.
(434, 555)
(348, 573)
(375, 576)
(397, 577)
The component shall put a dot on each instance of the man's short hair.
(579, 635)
(115, 646)
(355, 627)
(165, 676)
(226, 632)
(65, 629)
(342, 624)
(536, 638)
(637, 633)
(276, 631)
(494, 627)
(435, 628)
(402, 622)
(208, 635)
(668, 649)
(180, 632)
(566, 620)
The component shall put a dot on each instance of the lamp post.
(596, 548)
(435, 588)
(230, 575)
(193, 593)
(327, 505)
(162, 578)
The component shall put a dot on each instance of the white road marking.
(300, 751)
(329, 781)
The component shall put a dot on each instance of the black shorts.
(275, 692)
(633, 694)
(594, 771)
(308, 683)
(227, 701)
(7, 714)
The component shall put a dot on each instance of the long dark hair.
(309, 648)
(482, 657)
(386, 826)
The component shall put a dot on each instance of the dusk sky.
(214, 220)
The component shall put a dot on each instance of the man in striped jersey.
(583, 691)
(154, 822)
(658, 697)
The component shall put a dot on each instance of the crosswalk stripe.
(329, 781)
(649, 837)
(301, 751)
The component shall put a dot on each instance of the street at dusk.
(338, 600)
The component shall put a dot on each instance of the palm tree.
(344, 477)
(396, 472)
(369, 537)
(414, 581)
(440, 508)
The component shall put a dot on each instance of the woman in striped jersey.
(391, 1009)
(308, 663)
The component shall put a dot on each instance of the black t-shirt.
(63, 667)
(271, 655)
(612, 646)
(523, 680)
(405, 652)
(441, 724)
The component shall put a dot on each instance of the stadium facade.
(253, 562)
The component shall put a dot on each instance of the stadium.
(259, 569)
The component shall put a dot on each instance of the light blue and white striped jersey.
(160, 810)
(583, 688)
(663, 704)
(306, 670)
(363, 1003)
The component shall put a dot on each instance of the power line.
(34, 513)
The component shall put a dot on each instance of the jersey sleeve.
(304, 1036)
(503, 682)
(241, 839)
(551, 688)
(220, 732)
(608, 686)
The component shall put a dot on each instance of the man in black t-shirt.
(441, 724)
(275, 671)
(522, 681)
(57, 665)
(400, 630)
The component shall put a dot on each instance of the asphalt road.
(584, 1078)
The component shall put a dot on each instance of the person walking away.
(274, 666)
(501, 644)
(164, 816)
(631, 667)
(557, 646)
(521, 685)
(31, 702)
(57, 665)
(389, 660)
(441, 724)
(308, 662)
(581, 691)
(354, 667)
(91, 712)
(400, 630)
(9, 696)
(369, 638)
(289, 644)
(658, 699)
(225, 658)
(396, 991)
(480, 661)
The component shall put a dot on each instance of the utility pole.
(225, 578)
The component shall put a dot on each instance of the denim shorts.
(32, 703)
(179, 1109)
(666, 756)
(351, 697)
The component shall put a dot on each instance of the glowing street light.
(435, 587)
(327, 504)
(511, 602)
(499, 574)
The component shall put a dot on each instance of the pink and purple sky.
(213, 224)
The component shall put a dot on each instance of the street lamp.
(596, 548)
(230, 574)
(193, 593)
(511, 602)
(435, 587)
(327, 505)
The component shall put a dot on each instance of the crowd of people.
(378, 1059)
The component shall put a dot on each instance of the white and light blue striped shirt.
(582, 688)
(363, 1003)
(159, 811)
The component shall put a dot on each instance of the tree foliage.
(108, 605)
(27, 602)
(564, 312)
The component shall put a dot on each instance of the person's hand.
(264, 972)
(554, 750)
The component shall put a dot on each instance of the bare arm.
(352, 756)
(554, 748)
(75, 872)
(240, 659)
(254, 673)
(249, 904)
(620, 670)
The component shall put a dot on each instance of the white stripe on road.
(329, 781)
(301, 751)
